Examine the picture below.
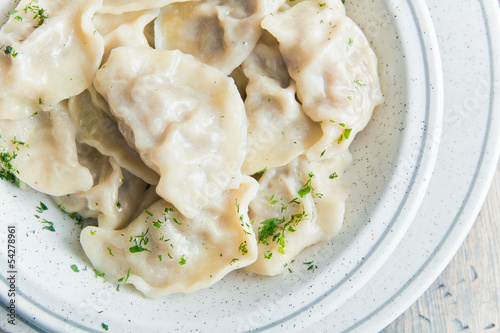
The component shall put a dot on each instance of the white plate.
(469, 39)
(394, 159)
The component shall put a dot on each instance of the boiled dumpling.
(50, 59)
(219, 33)
(334, 67)
(186, 120)
(278, 129)
(45, 152)
(124, 29)
(98, 129)
(162, 252)
(122, 6)
(116, 197)
(297, 205)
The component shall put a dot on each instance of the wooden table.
(466, 296)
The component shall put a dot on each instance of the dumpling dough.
(46, 159)
(53, 61)
(221, 33)
(124, 29)
(163, 252)
(99, 130)
(122, 6)
(305, 201)
(186, 120)
(278, 129)
(116, 197)
(334, 67)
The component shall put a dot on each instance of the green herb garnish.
(243, 248)
(139, 240)
(49, 225)
(125, 277)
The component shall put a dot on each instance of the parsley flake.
(125, 277)
(243, 248)
(333, 176)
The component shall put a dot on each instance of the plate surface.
(468, 36)
(393, 163)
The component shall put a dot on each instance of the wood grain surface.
(466, 296)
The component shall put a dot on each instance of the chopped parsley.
(311, 264)
(262, 171)
(98, 274)
(17, 142)
(125, 277)
(39, 13)
(308, 188)
(157, 223)
(75, 268)
(345, 134)
(333, 176)
(137, 248)
(275, 229)
(9, 50)
(41, 208)
(183, 260)
(272, 201)
(48, 225)
(106, 327)
(243, 248)
(7, 170)
(79, 220)
(139, 240)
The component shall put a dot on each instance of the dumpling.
(297, 205)
(124, 29)
(122, 6)
(186, 120)
(116, 197)
(219, 33)
(98, 129)
(334, 67)
(162, 252)
(278, 129)
(50, 58)
(45, 152)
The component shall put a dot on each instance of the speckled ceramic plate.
(469, 39)
(394, 159)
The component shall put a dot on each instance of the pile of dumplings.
(203, 136)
